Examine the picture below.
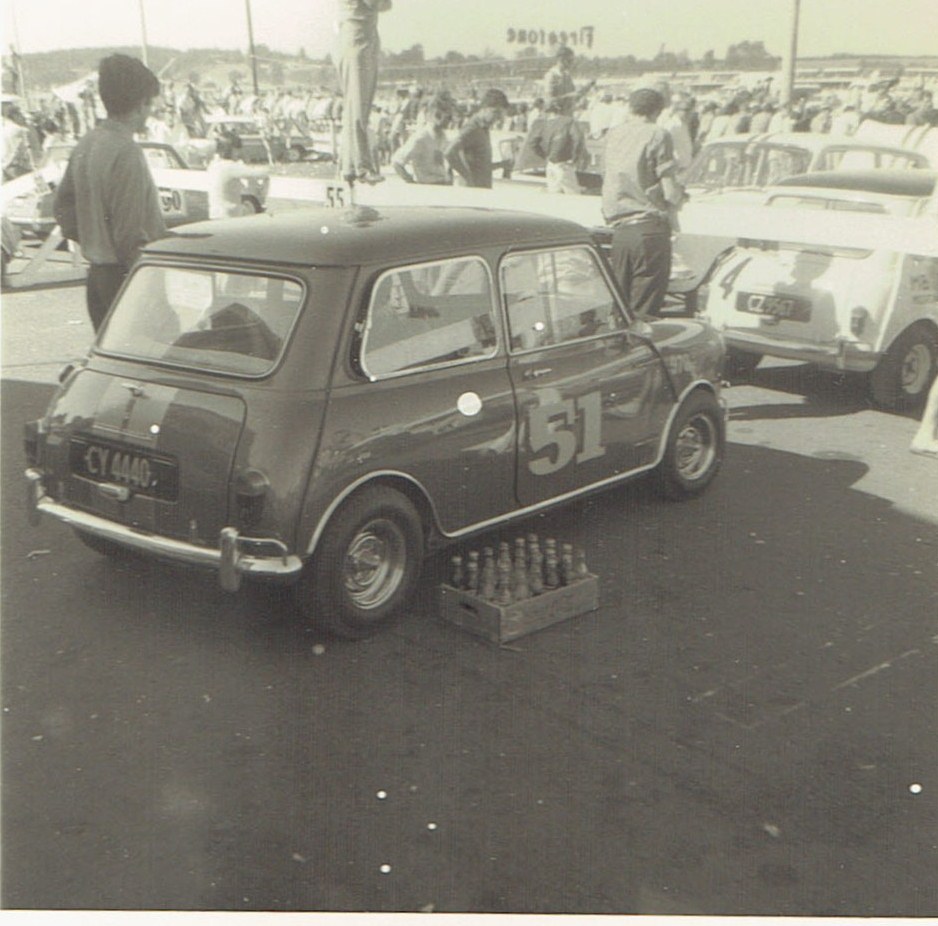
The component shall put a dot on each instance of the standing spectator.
(822, 120)
(676, 123)
(845, 121)
(640, 196)
(762, 118)
(225, 173)
(470, 153)
(358, 73)
(559, 140)
(425, 151)
(558, 81)
(107, 200)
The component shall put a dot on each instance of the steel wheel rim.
(696, 447)
(374, 563)
(915, 371)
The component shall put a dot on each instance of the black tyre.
(251, 205)
(903, 377)
(739, 365)
(294, 154)
(367, 564)
(104, 547)
(694, 451)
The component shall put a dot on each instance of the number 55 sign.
(570, 430)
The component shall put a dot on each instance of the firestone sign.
(582, 37)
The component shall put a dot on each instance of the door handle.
(536, 373)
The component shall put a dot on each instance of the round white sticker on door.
(469, 404)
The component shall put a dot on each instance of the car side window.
(552, 297)
(428, 314)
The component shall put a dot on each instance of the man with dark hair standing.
(107, 200)
(640, 199)
(470, 153)
(559, 140)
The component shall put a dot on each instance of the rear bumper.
(841, 354)
(230, 560)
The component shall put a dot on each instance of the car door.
(591, 394)
(433, 401)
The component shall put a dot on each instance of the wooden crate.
(501, 623)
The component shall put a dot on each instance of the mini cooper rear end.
(321, 396)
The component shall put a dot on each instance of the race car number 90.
(171, 201)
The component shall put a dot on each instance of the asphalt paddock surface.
(745, 726)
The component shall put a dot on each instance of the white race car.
(867, 309)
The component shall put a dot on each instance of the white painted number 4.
(554, 428)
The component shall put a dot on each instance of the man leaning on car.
(107, 200)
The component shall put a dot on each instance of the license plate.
(143, 473)
(786, 307)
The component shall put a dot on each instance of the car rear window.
(215, 320)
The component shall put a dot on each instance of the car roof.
(364, 235)
(889, 181)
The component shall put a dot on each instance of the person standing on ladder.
(359, 46)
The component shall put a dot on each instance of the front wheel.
(694, 451)
(366, 566)
(903, 377)
(294, 154)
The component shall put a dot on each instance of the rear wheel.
(294, 153)
(694, 451)
(366, 566)
(739, 365)
(903, 377)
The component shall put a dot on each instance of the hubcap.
(696, 448)
(916, 369)
(374, 563)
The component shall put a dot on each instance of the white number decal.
(553, 427)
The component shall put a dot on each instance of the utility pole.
(143, 34)
(247, 5)
(18, 58)
(789, 62)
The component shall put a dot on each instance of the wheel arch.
(406, 485)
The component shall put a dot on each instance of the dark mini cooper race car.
(321, 396)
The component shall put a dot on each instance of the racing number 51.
(554, 427)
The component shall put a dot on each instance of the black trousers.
(641, 261)
(104, 280)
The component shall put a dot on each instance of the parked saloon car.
(183, 191)
(870, 310)
(260, 144)
(736, 170)
(322, 395)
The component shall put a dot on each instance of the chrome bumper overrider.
(230, 560)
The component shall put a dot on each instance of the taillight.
(251, 487)
(858, 319)
(31, 441)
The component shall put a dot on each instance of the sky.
(621, 27)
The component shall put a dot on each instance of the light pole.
(247, 6)
(143, 34)
(789, 62)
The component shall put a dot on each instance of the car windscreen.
(205, 319)
(718, 166)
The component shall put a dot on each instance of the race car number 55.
(568, 430)
(336, 196)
